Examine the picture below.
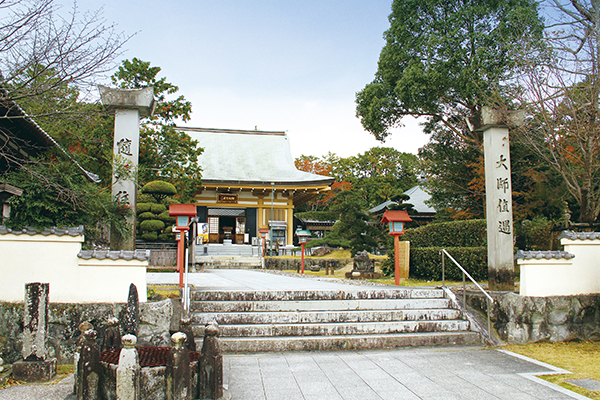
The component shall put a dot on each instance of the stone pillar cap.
(129, 99)
(499, 118)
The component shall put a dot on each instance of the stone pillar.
(129, 106)
(210, 373)
(88, 368)
(35, 365)
(128, 371)
(498, 195)
(178, 373)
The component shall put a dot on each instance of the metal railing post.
(464, 291)
(489, 299)
(443, 269)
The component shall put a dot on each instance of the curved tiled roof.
(141, 255)
(579, 235)
(29, 230)
(240, 157)
(543, 254)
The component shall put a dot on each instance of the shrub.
(166, 236)
(146, 215)
(152, 225)
(466, 233)
(164, 216)
(144, 198)
(534, 234)
(158, 208)
(426, 263)
(159, 189)
(150, 236)
(143, 207)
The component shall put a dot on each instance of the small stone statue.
(186, 328)
(112, 339)
(84, 326)
(178, 374)
(88, 368)
(211, 364)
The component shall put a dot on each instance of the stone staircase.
(253, 321)
(228, 256)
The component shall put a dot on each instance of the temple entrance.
(227, 224)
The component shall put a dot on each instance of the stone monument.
(131, 312)
(498, 196)
(36, 366)
(129, 106)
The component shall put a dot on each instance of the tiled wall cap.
(546, 254)
(141, 255)
(30, 230)
(579, 235)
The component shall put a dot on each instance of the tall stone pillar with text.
(129, 106)
(498, 197)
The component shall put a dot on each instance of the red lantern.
(396, 220)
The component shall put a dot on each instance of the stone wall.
(156, 319)
(522, 319)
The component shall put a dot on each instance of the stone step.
(221, 262)
(347, 294)
(270, 317)
(316, 305)
(346, 342)
(337, 328)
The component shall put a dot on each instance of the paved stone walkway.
(409, 373)
(245, 279)
(445, 373)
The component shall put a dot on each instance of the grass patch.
(581, 358)
(161, 292)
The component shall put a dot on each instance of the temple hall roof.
(249, 157)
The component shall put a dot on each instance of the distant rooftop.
(249, 157)
(417, 197)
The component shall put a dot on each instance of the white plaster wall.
(579, 275)
(53, 259)
(547, 278)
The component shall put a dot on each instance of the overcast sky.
(280, 65)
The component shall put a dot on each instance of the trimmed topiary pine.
(152, 225)
(159, 189)
(152, 211)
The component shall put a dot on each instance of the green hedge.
(466, 233)
(426, 263)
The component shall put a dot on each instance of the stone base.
(362, 275)
(34, 371)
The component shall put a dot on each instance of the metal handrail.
(489, 298)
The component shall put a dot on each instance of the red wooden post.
(182, 212)
(397, 260)
(302, 257)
